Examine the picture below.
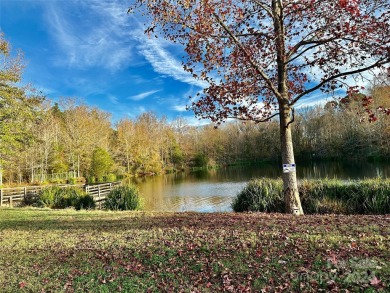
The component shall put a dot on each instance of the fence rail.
(99, 192)
(14, 196)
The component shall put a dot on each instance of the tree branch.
(243, 35)
(293, 117)
(300, 54)
(267, 9)
(313, 42)
(251, 61)
(254, 120)
(378, 63)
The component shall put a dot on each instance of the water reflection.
(213, 190)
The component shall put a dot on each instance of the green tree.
(101, 163)
(85, 129)
(19, 106)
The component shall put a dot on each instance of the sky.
(94, 51)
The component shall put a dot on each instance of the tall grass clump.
(60, 198)
(325, 196)
(260, 195)
(47, 197)
(125, 197)
(67, 197)
(85, 202)
(322, 196)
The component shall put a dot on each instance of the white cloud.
(319, 99)
(113, 99)
(136, 111)
(179, 108)
(163, 62)
(144, 95)
(98, 37)
(107, 37)
(193, 121)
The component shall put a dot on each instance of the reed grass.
(124, 197)
(327, 196)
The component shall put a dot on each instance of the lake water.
(213, 190)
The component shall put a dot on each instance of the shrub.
(60, 198)
(200, 160)
(85, 202)
(57, 181)
(371, 196)
(111, 177)
(124, 197)
(47, 197)
(67, 197)
(72, 181)
(261, 195)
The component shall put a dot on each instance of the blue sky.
(94, 50)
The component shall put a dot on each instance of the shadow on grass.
(34, 220)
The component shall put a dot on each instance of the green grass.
(95, 251)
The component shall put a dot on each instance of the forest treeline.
(40, 139)
(81, 139)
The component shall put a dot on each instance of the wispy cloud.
(113, 99)
(156, 52)
(98, 40)
(144, 95)
(318, 99)
(179, 108)
(193, 121)
(136, 111)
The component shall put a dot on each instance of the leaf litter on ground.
(69, 251)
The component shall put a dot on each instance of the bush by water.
(125, 197)
(60, 198)
(369, 196)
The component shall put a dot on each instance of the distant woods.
(42, 141)
(80, 139)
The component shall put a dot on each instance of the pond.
(213, 190)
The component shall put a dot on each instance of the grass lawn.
(95, 251)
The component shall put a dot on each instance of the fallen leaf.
(22, 284)
(375, 281)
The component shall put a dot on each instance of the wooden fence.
(14, 196)
(99, 192)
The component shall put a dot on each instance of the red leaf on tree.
(343, 3)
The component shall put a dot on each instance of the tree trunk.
(290, 185)
(78, 166)
(128, 162)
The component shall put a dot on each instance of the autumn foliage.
(261, 57)
(251, 51)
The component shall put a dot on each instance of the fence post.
(100, 203)
(24, 194)
(1, 197)
(10, 201)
